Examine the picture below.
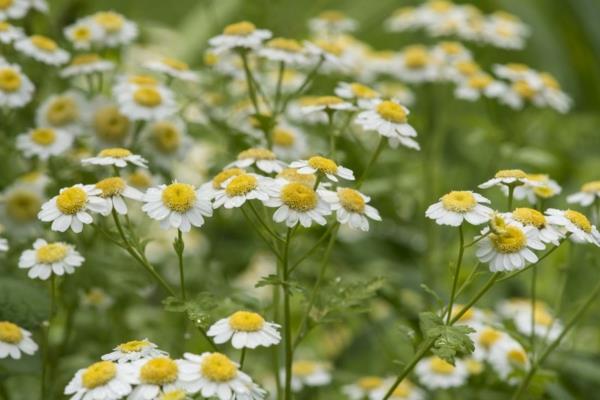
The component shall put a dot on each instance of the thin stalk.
(309, 78)
(312, 249)
(287, 319)
(262, 236)
(179, 246)
(263, 223)
(478, 239)
(372, 161)
(468, 280)
(461, 251)
(250, 82)
(242, 358)
(137, 130)
(331, 133)
(533, 310)
(278, 87)
(511, 193)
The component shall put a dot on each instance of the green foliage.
(200, 310)
(449, 342)
(22, 302)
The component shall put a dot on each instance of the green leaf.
(23, 303)
(341, 297)
(449, 342)
(200, 310)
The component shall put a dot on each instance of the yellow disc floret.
(517, 356)
(43, 136)
(179, 197)
(322, 164)
(133, 346)
(529, 216)
(416, 57)
(511, 240)
(392, 112)
(22, 205)
(299, 197)
(71, 200)
(62, 111)
(85, 59)
(4, 4)
(303, 368)
(140, 179)
(440, 366)
(246, 321)
(489, 337)
(403, 390)
(159, 371)
(51, 253)
(115, 152)
(110, 21)
(363, 91)
(467, 68)
(243, 28)
(369, 382)
(222, 176)
(511, 173)
(480, 81)
(459, 201)
(43, 43)
(98, 374)
(82, 33)
(10, 333)
(142, 80)
(109, 124)
(283, 137)
(218, 367)
(147, 96)
(524, 89)
(327, 101)
(175, 64)
(166, 136)
(351, 200)
(10, 79)
(177, 394)
(292, 175)
(289, 45)
(111, 186)
(257, 154)
(579, 220)
(241, 185)
(591, 187)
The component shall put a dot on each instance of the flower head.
(15, 340)
(245, 330)
(46, 259)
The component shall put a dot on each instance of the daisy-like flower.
(134, 350)
(509, 177)
(265, 160)
(406, 390)
(44, 142)
(20, 204)
(331, 22)
(96, 298)
(241, 35)
(461, 71)
(473, 317)
(478, 85)
(131, 83)
(351, 207)
(389, 119)
(289, 51)
(173, 68)
(435, 373)
(297, 202)
(42, 49)
(15, 340)
(450, 52)
(117, 157)
(485, 338)
(327, 104)
(235, 191)
(178, 205)
(416, 65)
(114, 29)
(508, 356)
(16, 89)
(215, 375)
(457, 206)
(82, 34)
(69, 209)
(363, 387)
(329, 53)
(288, 142)
(310, 374)
(154, 375)
(363, 95)
(209, 189)
(13, 9)
(108, 125)
(548, 233)
(115, 190)
(46, 259)
(245, 330)
(146, 102)
(505, 30)
(551, 94)
(509, 246)
(9, 33)
(589, 193)
(544, 188)
(4, 245)
(86, 64)
(325, 166)
(578, 225)
(403, 19)
(173, 394)
(65, 111)
(167, 140)
(103, 380)
(545, 325)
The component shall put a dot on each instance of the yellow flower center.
(140, 179)
(222, 176)
(452, 48)
(51, 253)
(109, 124)
(4, 26)
(370, 382)
(549, 81)
(517, 67)
(489, 337)
(147, 97)
(511, 173)
(23, 205)
(504, 30)
(166, 136)
(218, 367)
(240, 185)
(542, 317)
(246, 321)
(510, 240)
(210, 58)
(71, 200)
(82, 34)
(440, 5)
(459, 201)
(416, 57)
(283, 137)
(110, 21)
(467, 68)
(332, 16)
(175, 64)
(529, 216)
(43, 43)
(363, 91)
(517, 356)
(544, 192)
(327, 101)
(43, 136)
(133, 346)
(330, 46)
(4, 4)
(480, 81)
(392, 112)
(142, 80)
(524, 89)
(159, 371)
(299, 197)
(177, 394)
(111, 186)
(179, 197)
(403, 390)
(10, 80)
(243, 28)
(323, 164)
(467, 316)
(257, 154)
(115, 152)
(580, 220)
(85, 59)
(474, 367)
(292, 175)
(289, 45)
(591, 187)
(440, 366)
(98, 374)
(351, 200)
(303, 368)
(62, 111)
(10, 333)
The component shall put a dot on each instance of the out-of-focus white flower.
(310, 374)
(66, 111)
(435, 373)
(83, 34)
(289, 51)
(331, 22)
(243, 35)
(114, 29)
(576, 224)
(589, 193)
(46, 259)
(9, 33)
(15, 340)
(14, 9)
(44, 142)
(86, 64)
(173, 68)
(42, 49)
(16, 89)
(117, 157)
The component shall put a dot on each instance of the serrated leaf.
(199, 310)
(23, 303)
(449, 341)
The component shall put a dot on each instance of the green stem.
(331, 133)
(309, 78)
(511, 193)
(287, 319)
(478, 239)
(312, 249)
(259, 232)
(242, 358)
(137, 130)
(533, 310)
(372, 161)
(461, 251)
(263, 223)
(249, 81)
(278, 87)
(179, 246)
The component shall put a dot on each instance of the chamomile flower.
(44, 143)
(134, 350)
(264, 159)
(485, 338)
(103, 380)
(291, 175)
(15, 340)
(167, 140)
(210, 188)
(449, 52)
(19, 205)
(241, 35)
(505, 30)
(576, 224)
(115, 190)
(389, 119)
(331, 22)
(82, 34)
(403, 19)
(154, 375)
(114, 29)
(544, 188)
(551, 94)
(589, 193)
(298, 203)
(70, 208)
(310, 374)
(235, 191)
(457, 206)
(215, 375)
(406, 390)
(4, 246)
(545, 325)
(351, 207)
(16, 89)
(86, 64)
(416, 65)
(9, 33)
(42, 49)
(47, 259)
(178, 205)
(13, 9)
(547, 232)
(173, 68)
(324, 166)
(130, 83)
(363, 387)
(461, 71)
(288, 142)
(507, 357)
(435, 373)
(96, 298)
(66, 111)
(478, 85)
(117, 157)
(363, 95)
(327, 52)
(288, 51)
(328, 104)
(107, 124)
(146, 102)
(245, 330)
(509, 177)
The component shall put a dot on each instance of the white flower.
(14, 9)
(505, 30)
(457, 206)
(70, 208)
(114, 29)
(485, 338)
(327, 104)
(415, 65)
(288, 142)
(115, 190)
(544, 188)
(44, 142)
(575, 223)
(86, 64)
(16, 89)
(154, 375)
(133, 351)
(309, 373)
(146, 102)
(351, 207)
(545, 326)
(324, 166)
(509, 177)
(242, 35)
(403, 19)
(117, 157)
(331, 22)
(108, 126)
(4, 245)
(15, 340)
(480, 84)
(329, 53)
(363, 95)
(166, 141)
(173, 68)
(177, 205)
(235, 191)
(363, 387)
(589, 193)
(9, 33)
(389, 119)
(289, 51)
(547, 232)
(83, 34)
(50, 258)
(66, 111)
(104, 380)
(245, 330)
(435, 373)
(265, 160)
(210, 188)
(42, 49)
(297, 202)
(215, 375)
(406, 390)
(507, 357)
